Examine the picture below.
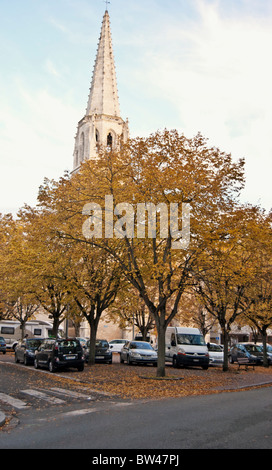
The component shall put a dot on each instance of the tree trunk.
(265, 357)
(93, 333)
(23, 329)
(161, 352)
(225, 342)
(56, 324)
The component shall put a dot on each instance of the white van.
(12, 332)
(186, 347)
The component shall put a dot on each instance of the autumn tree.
(92, 282)
(130, 310)
(193, 312)
(258, 297)
(48, 261)
(135, 205)
(224, 270)
(16, 280)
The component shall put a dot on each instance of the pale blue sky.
(193, 65)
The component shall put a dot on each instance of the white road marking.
(43, 396)
(79, 412)
(19, 404)
(70, 393)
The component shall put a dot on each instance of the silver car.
(138, 352)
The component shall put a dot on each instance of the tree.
(92, 282)
(48, 260)
(258, 297)
(16, 280)
(224, 271)
(129, 309)
(159, 175)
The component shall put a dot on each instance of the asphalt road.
(240, 420)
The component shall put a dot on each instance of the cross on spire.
(107, 2)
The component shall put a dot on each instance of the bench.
(244, 361)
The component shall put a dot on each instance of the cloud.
(51, 68)
(34, 144)
(218, 78)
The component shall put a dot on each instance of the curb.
(2, 418)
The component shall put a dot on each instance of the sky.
(192, 65)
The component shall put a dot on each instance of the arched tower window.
(76, 160)
(96, 136)
(109, 140)
(82, 143)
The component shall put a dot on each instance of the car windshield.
(215, 347)
(1, 338)
(140, 345)
(101, 344)
(195, 340)
(33, 343)
(118, 341)
(252, 348)
(65, 345)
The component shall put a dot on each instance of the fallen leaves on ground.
(140, 382)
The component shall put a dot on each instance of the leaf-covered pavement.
(140, 382)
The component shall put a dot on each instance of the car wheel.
(175, 362)
(121, 359)
(25, 361)
(80, 368)
(36, 364)
(51, 366)
(129, 361)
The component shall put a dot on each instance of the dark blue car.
(25, 350)
(3, 345)
(251, 351)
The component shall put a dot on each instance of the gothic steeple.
(102, 124)
(103, 98)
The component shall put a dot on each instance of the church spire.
(102, 124)
(103, 97)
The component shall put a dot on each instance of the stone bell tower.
(102, 124)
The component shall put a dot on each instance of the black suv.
(25, 350)
(102, 351)
(59, 354)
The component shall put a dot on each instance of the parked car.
(246, 350)
(268, 350)
(25, 350)
(83, 342)
(216, 354)
(117, 344)
(102, 351)
(3, 345)
(59, 354)
(138, 352)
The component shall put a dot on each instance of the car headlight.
(135, 354)
(182, 352)
(31, 353)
